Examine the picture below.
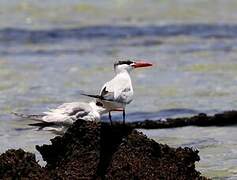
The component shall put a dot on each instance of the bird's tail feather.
(97, 97)
(41, 123)
(35, 117)
(92, 95)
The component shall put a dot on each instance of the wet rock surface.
(90, 150)
(222, 119)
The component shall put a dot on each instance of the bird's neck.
(123, 71)
(124, 75)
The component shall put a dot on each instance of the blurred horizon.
(31, 14)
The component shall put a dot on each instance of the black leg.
(123, 116)
(110, 118)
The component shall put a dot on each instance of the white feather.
(68, 113)
(120, 91)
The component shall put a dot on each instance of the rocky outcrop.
(221, 119)
(18, 164)
(90, 150)
(100, 151)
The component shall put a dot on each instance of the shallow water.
(48, 52)
(217, 147)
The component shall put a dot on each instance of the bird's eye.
(99, 104)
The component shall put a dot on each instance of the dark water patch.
(41, 52)
(24, 129)
(200, 143)
(216, 47)
(145, 42)
(14, 35)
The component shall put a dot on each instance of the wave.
(38, 36)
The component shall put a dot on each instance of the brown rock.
(100, 151)
(90, 150)
(18, 164)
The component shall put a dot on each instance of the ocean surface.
(50, 50)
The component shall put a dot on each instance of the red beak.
(139, 64)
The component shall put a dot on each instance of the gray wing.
(125, 97)
(67, 113)
(119, 89)
(72, 108)
(106, 95)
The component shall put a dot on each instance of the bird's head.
(128, 65)
(98, 106)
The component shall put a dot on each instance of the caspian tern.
(67, 113)
(118, 92)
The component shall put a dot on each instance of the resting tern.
(118, 92)
(67, 113)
